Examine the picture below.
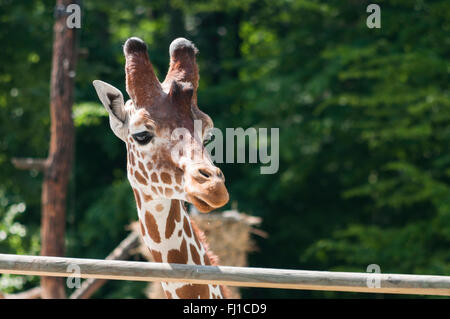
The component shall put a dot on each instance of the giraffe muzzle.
(206, 188)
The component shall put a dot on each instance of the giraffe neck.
(168, 233)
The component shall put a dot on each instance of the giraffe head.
(166, 158)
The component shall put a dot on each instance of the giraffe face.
(152, 168)
(147, 123)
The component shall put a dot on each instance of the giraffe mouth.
(200, 204)
(205, 205)
(205, 189)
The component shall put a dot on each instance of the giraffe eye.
(143, 137)
(208, 139)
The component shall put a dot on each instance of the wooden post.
(57, 166)
(227, 276)
(59, 161)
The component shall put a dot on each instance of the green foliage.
(88, 114)
(112, 210)
(15, 240)
(363, 114)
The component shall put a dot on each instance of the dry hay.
(228, 235)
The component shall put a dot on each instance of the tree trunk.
(59, 161)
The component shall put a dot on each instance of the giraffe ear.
(112, 100)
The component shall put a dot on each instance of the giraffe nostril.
(204, 173)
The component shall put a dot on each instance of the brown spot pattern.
(169, 295)
(140, 178)
(193, 291)
(166, 178)
(156, 256)
(159, 207)
(142, 168)
(132, 159)
(196, 234)
(187, 227)
(149, 166)
(137, 198)
(142, 228)
(195, 256)
(154, 178)
(168, 192)
(178, 178)
(178, 256)
(206, 260)
(147, 198)
(174, 215)
(152, 227)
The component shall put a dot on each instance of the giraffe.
(161, 182)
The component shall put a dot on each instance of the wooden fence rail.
(224, 275)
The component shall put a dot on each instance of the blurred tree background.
(363, 114)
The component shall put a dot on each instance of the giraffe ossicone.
(163, 179)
